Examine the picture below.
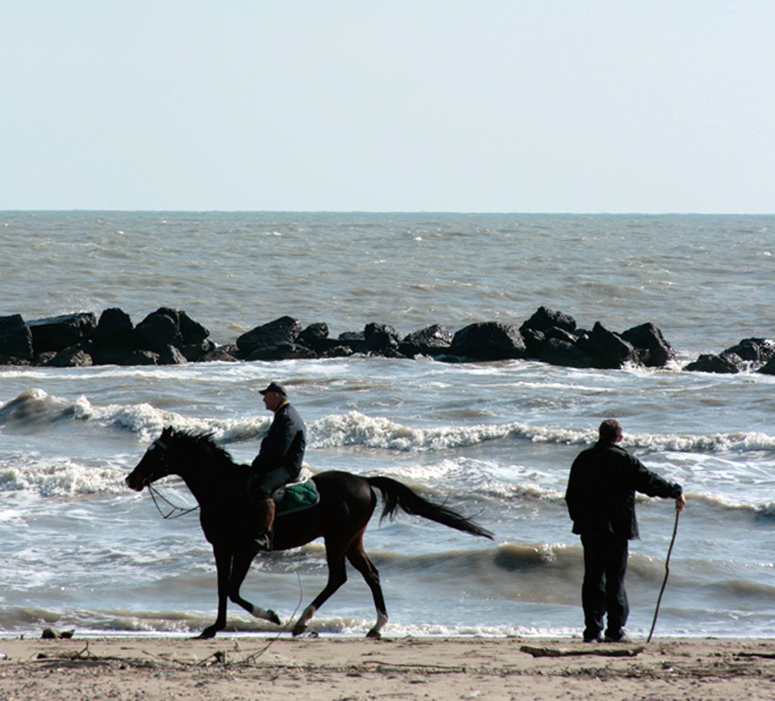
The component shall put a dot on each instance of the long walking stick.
(667, 572)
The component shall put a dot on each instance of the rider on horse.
(278, 462)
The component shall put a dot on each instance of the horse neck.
(198, 474)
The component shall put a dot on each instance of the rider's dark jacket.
(284, 445)
(601, 491)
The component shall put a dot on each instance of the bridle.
(158, 498)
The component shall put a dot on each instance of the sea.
(494, 440)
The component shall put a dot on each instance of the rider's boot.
(266, 511)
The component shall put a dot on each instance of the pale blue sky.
(449, 105)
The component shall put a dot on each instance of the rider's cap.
(275, 387)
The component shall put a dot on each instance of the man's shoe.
(621, 638)
(593, 639)
(263, 543)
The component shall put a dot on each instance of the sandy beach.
(249, 667)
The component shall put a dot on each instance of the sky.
(584, 106)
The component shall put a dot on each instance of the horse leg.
(239, 570)
(223, 560)
(337, 576)
(360, 561)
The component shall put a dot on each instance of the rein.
(175, 511)
(157, 497)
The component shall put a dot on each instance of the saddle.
(296, 496)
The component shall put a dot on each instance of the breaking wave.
(34, 409)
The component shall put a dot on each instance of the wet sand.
(312, 669)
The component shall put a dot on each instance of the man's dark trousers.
(605, 564)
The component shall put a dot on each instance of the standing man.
(601, 502)
(279, 460)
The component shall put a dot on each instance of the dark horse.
(346, 504)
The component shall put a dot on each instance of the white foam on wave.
(742, 506)
(60, 478)
(715, 443)
(35, 407)
(520, 490)
(355, 428)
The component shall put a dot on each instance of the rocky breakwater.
(756, 354)
(166, 336)
(547, 336)
(169, 336)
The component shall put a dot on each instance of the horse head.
(155, 464)
(194, 456)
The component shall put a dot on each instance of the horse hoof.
(207, 633)
(272, 617)
(374, 635)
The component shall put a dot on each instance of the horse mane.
(204, 441)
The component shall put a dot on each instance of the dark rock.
(314, 336)
(142, 357)
(348, 336)
(51, 634)
(281, 351)
(75, 357)
(560, 334)
(43, 359)
(545, 318)
(59, 332)
(280, 332)
(354, 340)
(192, 331)
(723, 363)
(118, 355)
(115, 328)
(432, 340)
(381, 339)
(375, 329)
(337, 350)
(171, 356)
(158, 330)
(11, 360)
(558, 351)
(755, 350)
(768, 368)
(489, 340)
(606, 349)
(652, 348)
(196, 352)
(173, 327)
(534, 341)
(15, 338)
(221, 354)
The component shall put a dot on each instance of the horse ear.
(166, 432)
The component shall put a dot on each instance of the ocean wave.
(34, 409)
(175, 623)
(764, 510)
(737, 442)
(358, 429)
(745, 590)
(58, 479)
(355, 428)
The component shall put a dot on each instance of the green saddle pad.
(298, 496)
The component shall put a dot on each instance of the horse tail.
(396, 495)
